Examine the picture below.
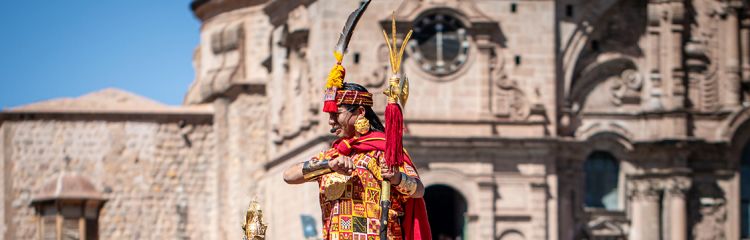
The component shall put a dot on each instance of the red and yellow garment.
(351, 204)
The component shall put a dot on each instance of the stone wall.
(246, 145)
(157, 176)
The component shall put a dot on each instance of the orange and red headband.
(350, 97)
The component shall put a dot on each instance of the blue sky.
(53, 49)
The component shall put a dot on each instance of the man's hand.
(342, 165)
(391, 174)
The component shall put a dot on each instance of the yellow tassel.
(339, 56)
(336, 75)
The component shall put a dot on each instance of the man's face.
(343, 122)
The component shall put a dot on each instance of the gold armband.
(313, 169)
(408, 185)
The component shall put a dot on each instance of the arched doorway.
(601, 173)
(446, 209)
(745, 192)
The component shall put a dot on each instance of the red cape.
(415, 225)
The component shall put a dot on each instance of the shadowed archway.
(745, 192)
(446, 209)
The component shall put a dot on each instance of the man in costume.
(350, 174)
(356, 173)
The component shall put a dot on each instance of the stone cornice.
(205, 9)
(201, 117)
(619, 115)
(556, 145)
(473, 121)
(278, 10)
(297, 150)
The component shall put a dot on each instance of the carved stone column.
(644, 200)
(676, 61)
(745, 46)
(653, 55)
(676, 193)
(731, 84)
(279, 64)
(488, 56)
(745, 53)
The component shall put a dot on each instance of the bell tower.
(231, 78)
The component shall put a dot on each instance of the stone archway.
(446, 209)
(745, 192)
(737, 132)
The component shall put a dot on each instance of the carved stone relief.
(297, 112)
(228, 64)
(619, 32)
(227, 39)
(708, 211)
(296, 109)
(507, 100)
(627, 87)
(380, 72)
(612, 57)
(644, 189)
(614, 226)
(702, 56)
(609, 86)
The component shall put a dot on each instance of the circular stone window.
(440, 45)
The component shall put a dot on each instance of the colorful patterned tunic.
(351, 204)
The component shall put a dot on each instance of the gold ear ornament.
(362, 125)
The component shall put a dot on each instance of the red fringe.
(330, 106)
(394, 130)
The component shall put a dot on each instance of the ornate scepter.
(397, 93)
(254, 228)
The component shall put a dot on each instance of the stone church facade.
(528, 119)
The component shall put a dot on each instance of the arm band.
(313, 169)
(408, 185)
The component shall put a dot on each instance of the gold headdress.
(332, 96)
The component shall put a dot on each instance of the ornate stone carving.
(381, 71)
(644, 189)
(296, 107)
(227, 39)
(614, 45)
(228, 64)
(607, 224)
(627, 86)
(702, 55)
(677, 186)
(709, 212)
(508, 100)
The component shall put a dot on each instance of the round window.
(440, 45)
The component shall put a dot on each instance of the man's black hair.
(375, 123)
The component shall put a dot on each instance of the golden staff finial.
(397, 93)
(398, 90)
(395, 53)
(253, 226)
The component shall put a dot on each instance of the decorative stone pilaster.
(653, 55)
(745, 54)
(676, 189)
(730, 86)
(745, 46)
(677, 9)
(644, 202)
(664, 54)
